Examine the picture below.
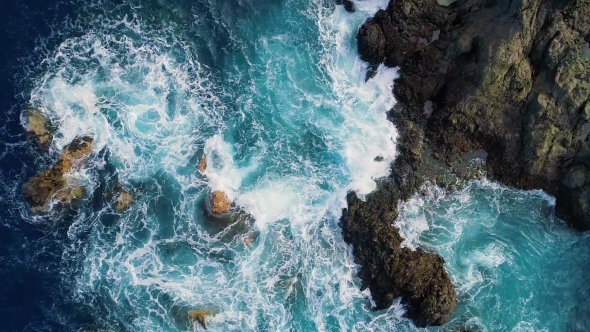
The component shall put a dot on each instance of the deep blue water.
(274, 94)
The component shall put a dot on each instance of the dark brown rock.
(371, 42)
(390, 271)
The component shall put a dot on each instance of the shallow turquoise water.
(274, 94)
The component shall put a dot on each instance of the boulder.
(371, 42)
(349, 6)
(220, 203)
(200, 315)
(124, 200)
(52, 183)
(203, 164)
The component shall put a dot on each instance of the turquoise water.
(275, 95)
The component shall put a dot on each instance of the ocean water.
(274, 94)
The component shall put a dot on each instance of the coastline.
(505, 83)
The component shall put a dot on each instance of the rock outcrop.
(391, 271)
(203, 164)
(38, 126)
(348, 5)
(51, 183)
(124, 200)
(200, 315)
(220, 203)
(507, 77)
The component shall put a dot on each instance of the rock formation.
(390, 271)
(124, 200)
(508, 77)
(348, 5)
(200, 315)
(220, 203)
(52, 183)
(203, 164)
(38, 126)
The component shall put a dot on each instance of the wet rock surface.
(390, 271)
(504, 76)
(124, 200)
(203, 164)
(199, 316)
(220, 203)
(51, 183)
(508, 78)
(38, 126)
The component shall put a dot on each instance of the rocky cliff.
(511, 77)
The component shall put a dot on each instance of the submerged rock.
(203, 164)
(220, 203)
(200, 315)
(51, 183)
(124, 200)
(38, 126)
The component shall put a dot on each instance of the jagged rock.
(510, 78)
(220, 203)
(371, 42)
(203, 164)
(38, 126)
(124, 200)
(200, 315)
(51, 183)
(390, 271)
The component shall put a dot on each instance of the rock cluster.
(510, 78)
(51, 183)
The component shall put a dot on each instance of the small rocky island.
(509, 78)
